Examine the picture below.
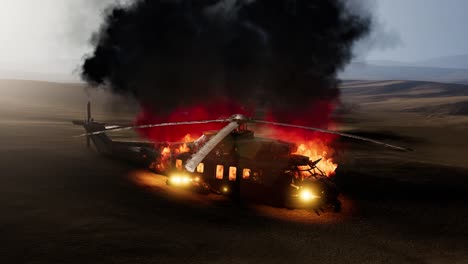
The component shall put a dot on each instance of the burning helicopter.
(232, 161)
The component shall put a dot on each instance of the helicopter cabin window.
(246, 174)
(178, 164)
(219, 172)
(232, 173)
(201, 168)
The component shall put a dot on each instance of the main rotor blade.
(198, 157)
(155, 125)
(335, 133)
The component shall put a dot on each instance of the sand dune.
(456, 108)
(46, 100)
(422, 97)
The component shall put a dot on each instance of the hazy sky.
(51, 36)
(48, 36)
(426, 28)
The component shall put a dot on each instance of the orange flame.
(162, 163)
(318, 149)
(184, 148)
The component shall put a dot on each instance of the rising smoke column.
(277, 58)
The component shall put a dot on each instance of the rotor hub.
(239, 118)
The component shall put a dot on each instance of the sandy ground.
(63, 203)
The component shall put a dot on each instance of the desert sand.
(63, 203)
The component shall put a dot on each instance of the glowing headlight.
(306, 195)
(179, 180)
(185, 180)
(175, 180)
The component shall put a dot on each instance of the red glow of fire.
(312, 144)
(213, 109)
(315, 145)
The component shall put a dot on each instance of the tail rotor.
(88, 119)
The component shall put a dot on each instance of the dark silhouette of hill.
(393, 71)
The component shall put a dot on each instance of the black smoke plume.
(271, 53)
